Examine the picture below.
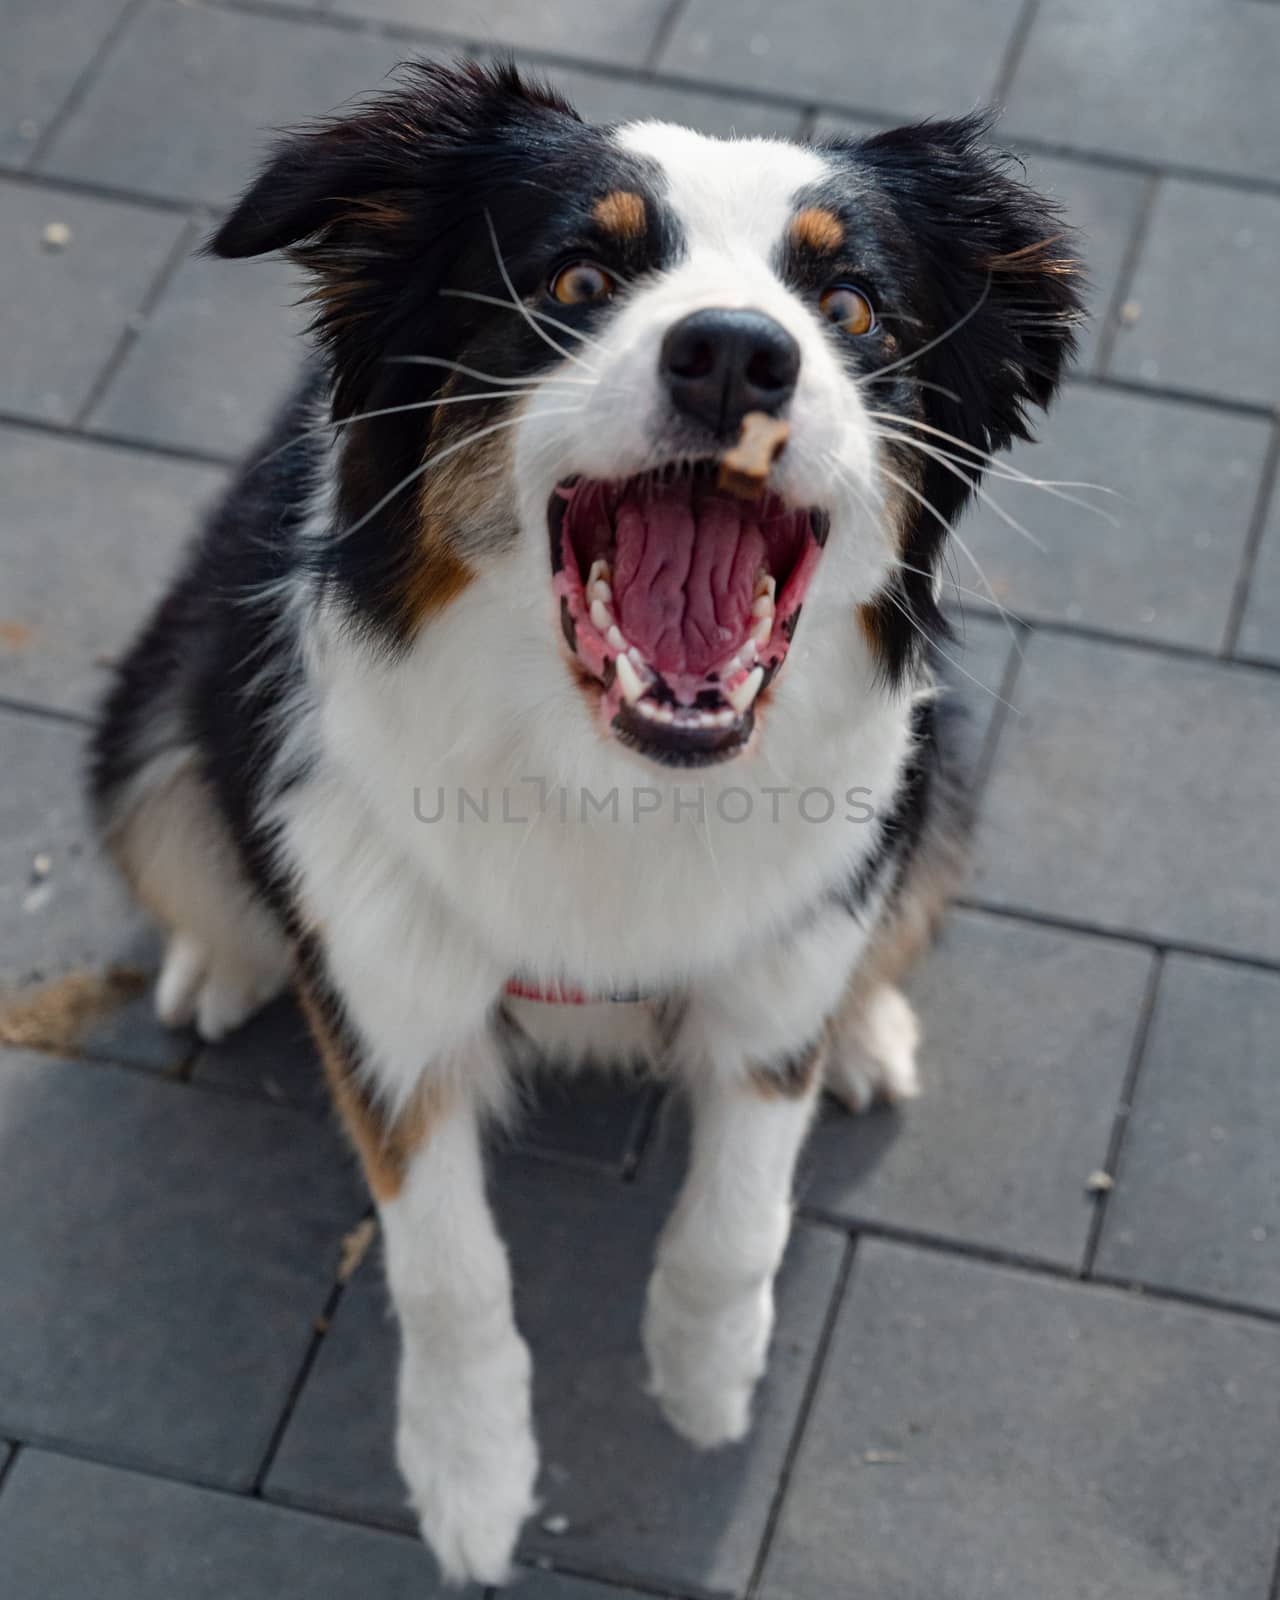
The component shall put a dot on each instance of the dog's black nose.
(720, 364)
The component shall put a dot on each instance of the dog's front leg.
(750, 1049)
(464, 1437)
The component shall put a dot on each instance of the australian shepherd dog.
(574, 637)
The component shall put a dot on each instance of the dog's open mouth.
(681, 601)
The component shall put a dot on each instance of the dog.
(574, 636)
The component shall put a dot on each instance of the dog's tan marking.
(55, 1016)
(744, 470)
(621, 213)
(438, 576)
(385, 1145)
(790, 1078)
(816, 228)
(1036, 256)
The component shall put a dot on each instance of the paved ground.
(989, 1383)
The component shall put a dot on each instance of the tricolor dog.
(574, 634)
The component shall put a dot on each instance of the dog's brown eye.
(848, 308)
(580, 283)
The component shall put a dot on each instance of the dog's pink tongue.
(683, 579)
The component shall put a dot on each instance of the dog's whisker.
(528, 384)
(910, 489)
(981, 494)
(520, 306)
(997, 467)
(953, 583)
(918, 383)
(506, 305)
(443, 455)
(941, 338)
(842, 473)
(947, 657)
(964, 470)
(335, 424)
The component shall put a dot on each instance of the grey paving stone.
(1027, 1035)
(1176, 81)
(1135, 792)
(621, 32)
(145, 1539)
(1160, 555)
(214, 359)
(1204, 294)
(1260, 626)
(991, 1436)
(63, 311)
(639, 1503)
(1103, 205)
(905, 60)
(215, 84)
(1197, 1205)
(272, 1057)
(607, 99)
(590, 1117)
(159, 1270)
(134, 1035)
(91, 537)
(65, 913)
(46, 49)
(556, 1586)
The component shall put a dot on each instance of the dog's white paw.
(873, 1052)
(217, 993)
(466, 1450)
(705, 1360)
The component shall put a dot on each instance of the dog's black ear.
(375, 205)
(994, 274)
(999, 271)
(362, 170)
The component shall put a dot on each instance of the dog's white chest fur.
(470, 781)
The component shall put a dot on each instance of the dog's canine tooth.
(600, 618)
(629, 680)
(741, 697)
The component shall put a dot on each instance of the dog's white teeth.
(762, 632)
(766, 584)
(628, 680)
(762, 606)
(601, 572)
(615, 640)
(742, 697)
(601, 620)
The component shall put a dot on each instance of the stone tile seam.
(457, 41)
(74, 97)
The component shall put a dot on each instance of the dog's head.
(679, 387)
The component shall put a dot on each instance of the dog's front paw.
(873, 1052)
(466, 1450)
(705, 1360)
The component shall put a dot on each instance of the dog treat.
(744, 469)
